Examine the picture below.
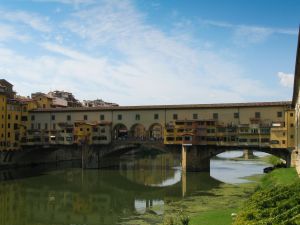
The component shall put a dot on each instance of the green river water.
(138, 191)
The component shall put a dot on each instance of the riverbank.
(276, 200)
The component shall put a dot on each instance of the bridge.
(194, 158)
(57, 134)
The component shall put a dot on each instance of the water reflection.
(73, 196)
(236, 171)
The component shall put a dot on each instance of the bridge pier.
(248, 154)
(194, 159)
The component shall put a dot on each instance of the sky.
(150, 52)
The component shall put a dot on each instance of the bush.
(275, 205)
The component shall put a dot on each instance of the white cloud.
(69, 1)
(8, 33)
(249, 33)
(34, 21)
(151, 67)
(286, 79)
(252, 34)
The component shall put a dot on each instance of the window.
(39, 126)
(265, 140)
(257, 115)
(209, 131)
(265, 130)
(175, 116)
(137, 117)
(8, 116)
(8, 125)
(46, 126)
(32, 126)
(85, 117)
(68, 117)
(178, 138)
(68, 138)
(102, 130)
(102, 117)
(283, 141)
(24, 118)
(17, 117)
(170, 138)
(215, 116)
(236, 115)
(279, 114)
(103, 138)
(69, 130)
(32, 117)
(254, 131)
(156, 116)
(52, 117)
(195, 116)
(291, 114)
(292, 125)
(54, 126)
(16, 126)
(292, 136)
(8, 134)
(119, 117)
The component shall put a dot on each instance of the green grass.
(276, 201)
(214, 217)
(283, 176)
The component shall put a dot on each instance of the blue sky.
(141, 52)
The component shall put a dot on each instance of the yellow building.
(43, 100)
(14, 117)
(283, 133)
(92, 133)
(33, 122)
(3, 100)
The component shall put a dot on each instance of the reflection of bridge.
(91, 197)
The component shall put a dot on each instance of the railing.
(138, 140)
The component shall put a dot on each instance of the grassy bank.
(274, 195)
(276, 200)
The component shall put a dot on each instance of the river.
(139, 191)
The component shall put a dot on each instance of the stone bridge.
(194, 158)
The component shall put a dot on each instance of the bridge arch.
(120, 131)
(138, 131)
(280, 153)
(196, 158)
(156, 131)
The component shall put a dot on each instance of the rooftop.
(155, 107)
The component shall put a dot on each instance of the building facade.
(296, 105)
(33, 121)
(245, 124)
